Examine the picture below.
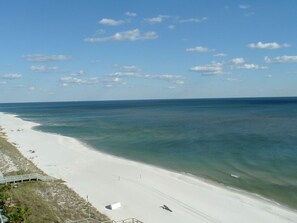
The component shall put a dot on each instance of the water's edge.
(195, 177)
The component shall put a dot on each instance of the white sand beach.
(141, 189)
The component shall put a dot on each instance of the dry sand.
(141, 189)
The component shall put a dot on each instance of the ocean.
(248, 144)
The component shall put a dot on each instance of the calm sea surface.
(254, 139)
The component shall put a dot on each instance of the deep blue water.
(255, 139)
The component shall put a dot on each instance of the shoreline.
(141, 188)
(190, 175)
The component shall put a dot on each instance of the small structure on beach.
(24, 178)
(114, 206)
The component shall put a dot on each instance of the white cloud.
(81, 72)
(3, 82)
(46, 58)
(131, 14)
(281, 59)
(158, 19)
(130, 35)
(209, 69)
(248, 14)
(111, 22)
(110, 82)
(232, 79)
(28, 87)
(179, 82)
(127, 74)
(100, 31)
(220, 55)
(271, 45)
(116, 79)
(67, 80)
(43, 69)
(12, 76)
(244, 6)
(193, 20)
(131, 68)
(252, 67)
(268, 76)
(199, 49)
(165, 77)
(174, 79)
(216, 68)
(171, 27)
(78, 73)
(238, 60)
(171, 87)
(21, 86)
(239, 63)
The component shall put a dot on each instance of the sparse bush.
(18, 214)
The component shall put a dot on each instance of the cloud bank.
(46, 58)
(271, 46)
(130, 35)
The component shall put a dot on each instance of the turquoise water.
(255, 139)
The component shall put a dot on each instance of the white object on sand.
(114, 206)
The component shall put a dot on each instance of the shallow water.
(254, 139)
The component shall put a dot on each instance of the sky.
(78, 50)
